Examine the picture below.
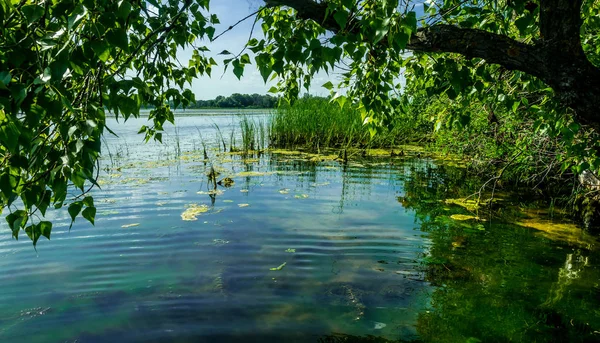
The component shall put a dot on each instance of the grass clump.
(316, 123)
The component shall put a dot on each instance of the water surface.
(296, 251)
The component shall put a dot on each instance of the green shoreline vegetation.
(496, 145)
(315, 122)
(234, 101)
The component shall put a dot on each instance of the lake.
(301, 248)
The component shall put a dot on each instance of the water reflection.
(496, 281)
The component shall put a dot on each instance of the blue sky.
(229, 12)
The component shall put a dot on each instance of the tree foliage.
(63, 66)
(237, 100)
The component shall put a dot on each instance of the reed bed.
(316, 123)
(255, 134)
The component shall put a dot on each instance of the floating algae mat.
(253, 174)
(464, 217)
(192, 211)
(384, 248)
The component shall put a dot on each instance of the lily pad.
(284, 191)
(301, 196)
(290, 250)
(243, 205)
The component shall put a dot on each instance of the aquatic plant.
(248, 134)
(318, 123)
(220, 138)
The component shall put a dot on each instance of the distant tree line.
(238, 100)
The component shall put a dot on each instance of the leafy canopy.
(63, 66)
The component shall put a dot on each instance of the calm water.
(370, 253)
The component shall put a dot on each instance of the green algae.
(192, 211)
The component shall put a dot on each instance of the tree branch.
(558, 59)
(473, 43)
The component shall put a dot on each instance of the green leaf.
(245, 59)
(238, 68)
(88, 201)
(32, 12)
(210, 32)
(341, 17)
(101, 49)
(74, 209)
(45, 228)
(124, 10)
(90, 214)
(410, 21)
(33, 232)
(5, 78)
(523, 23)
(9, 136)
(15, 221)
(381, 29)
(280, 267)
(328, 85)
(401, 39)
(118, 38)
(58, 69)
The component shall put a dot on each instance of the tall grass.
(203, 144)
(255, 134)
(220, 138)
(317, 123)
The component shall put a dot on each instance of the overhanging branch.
(473, 43)
(557, 59)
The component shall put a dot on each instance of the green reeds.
(255, 134)
(317, 123)
(203, 144)
(177, 143)
(248, 134)
(220, 137)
